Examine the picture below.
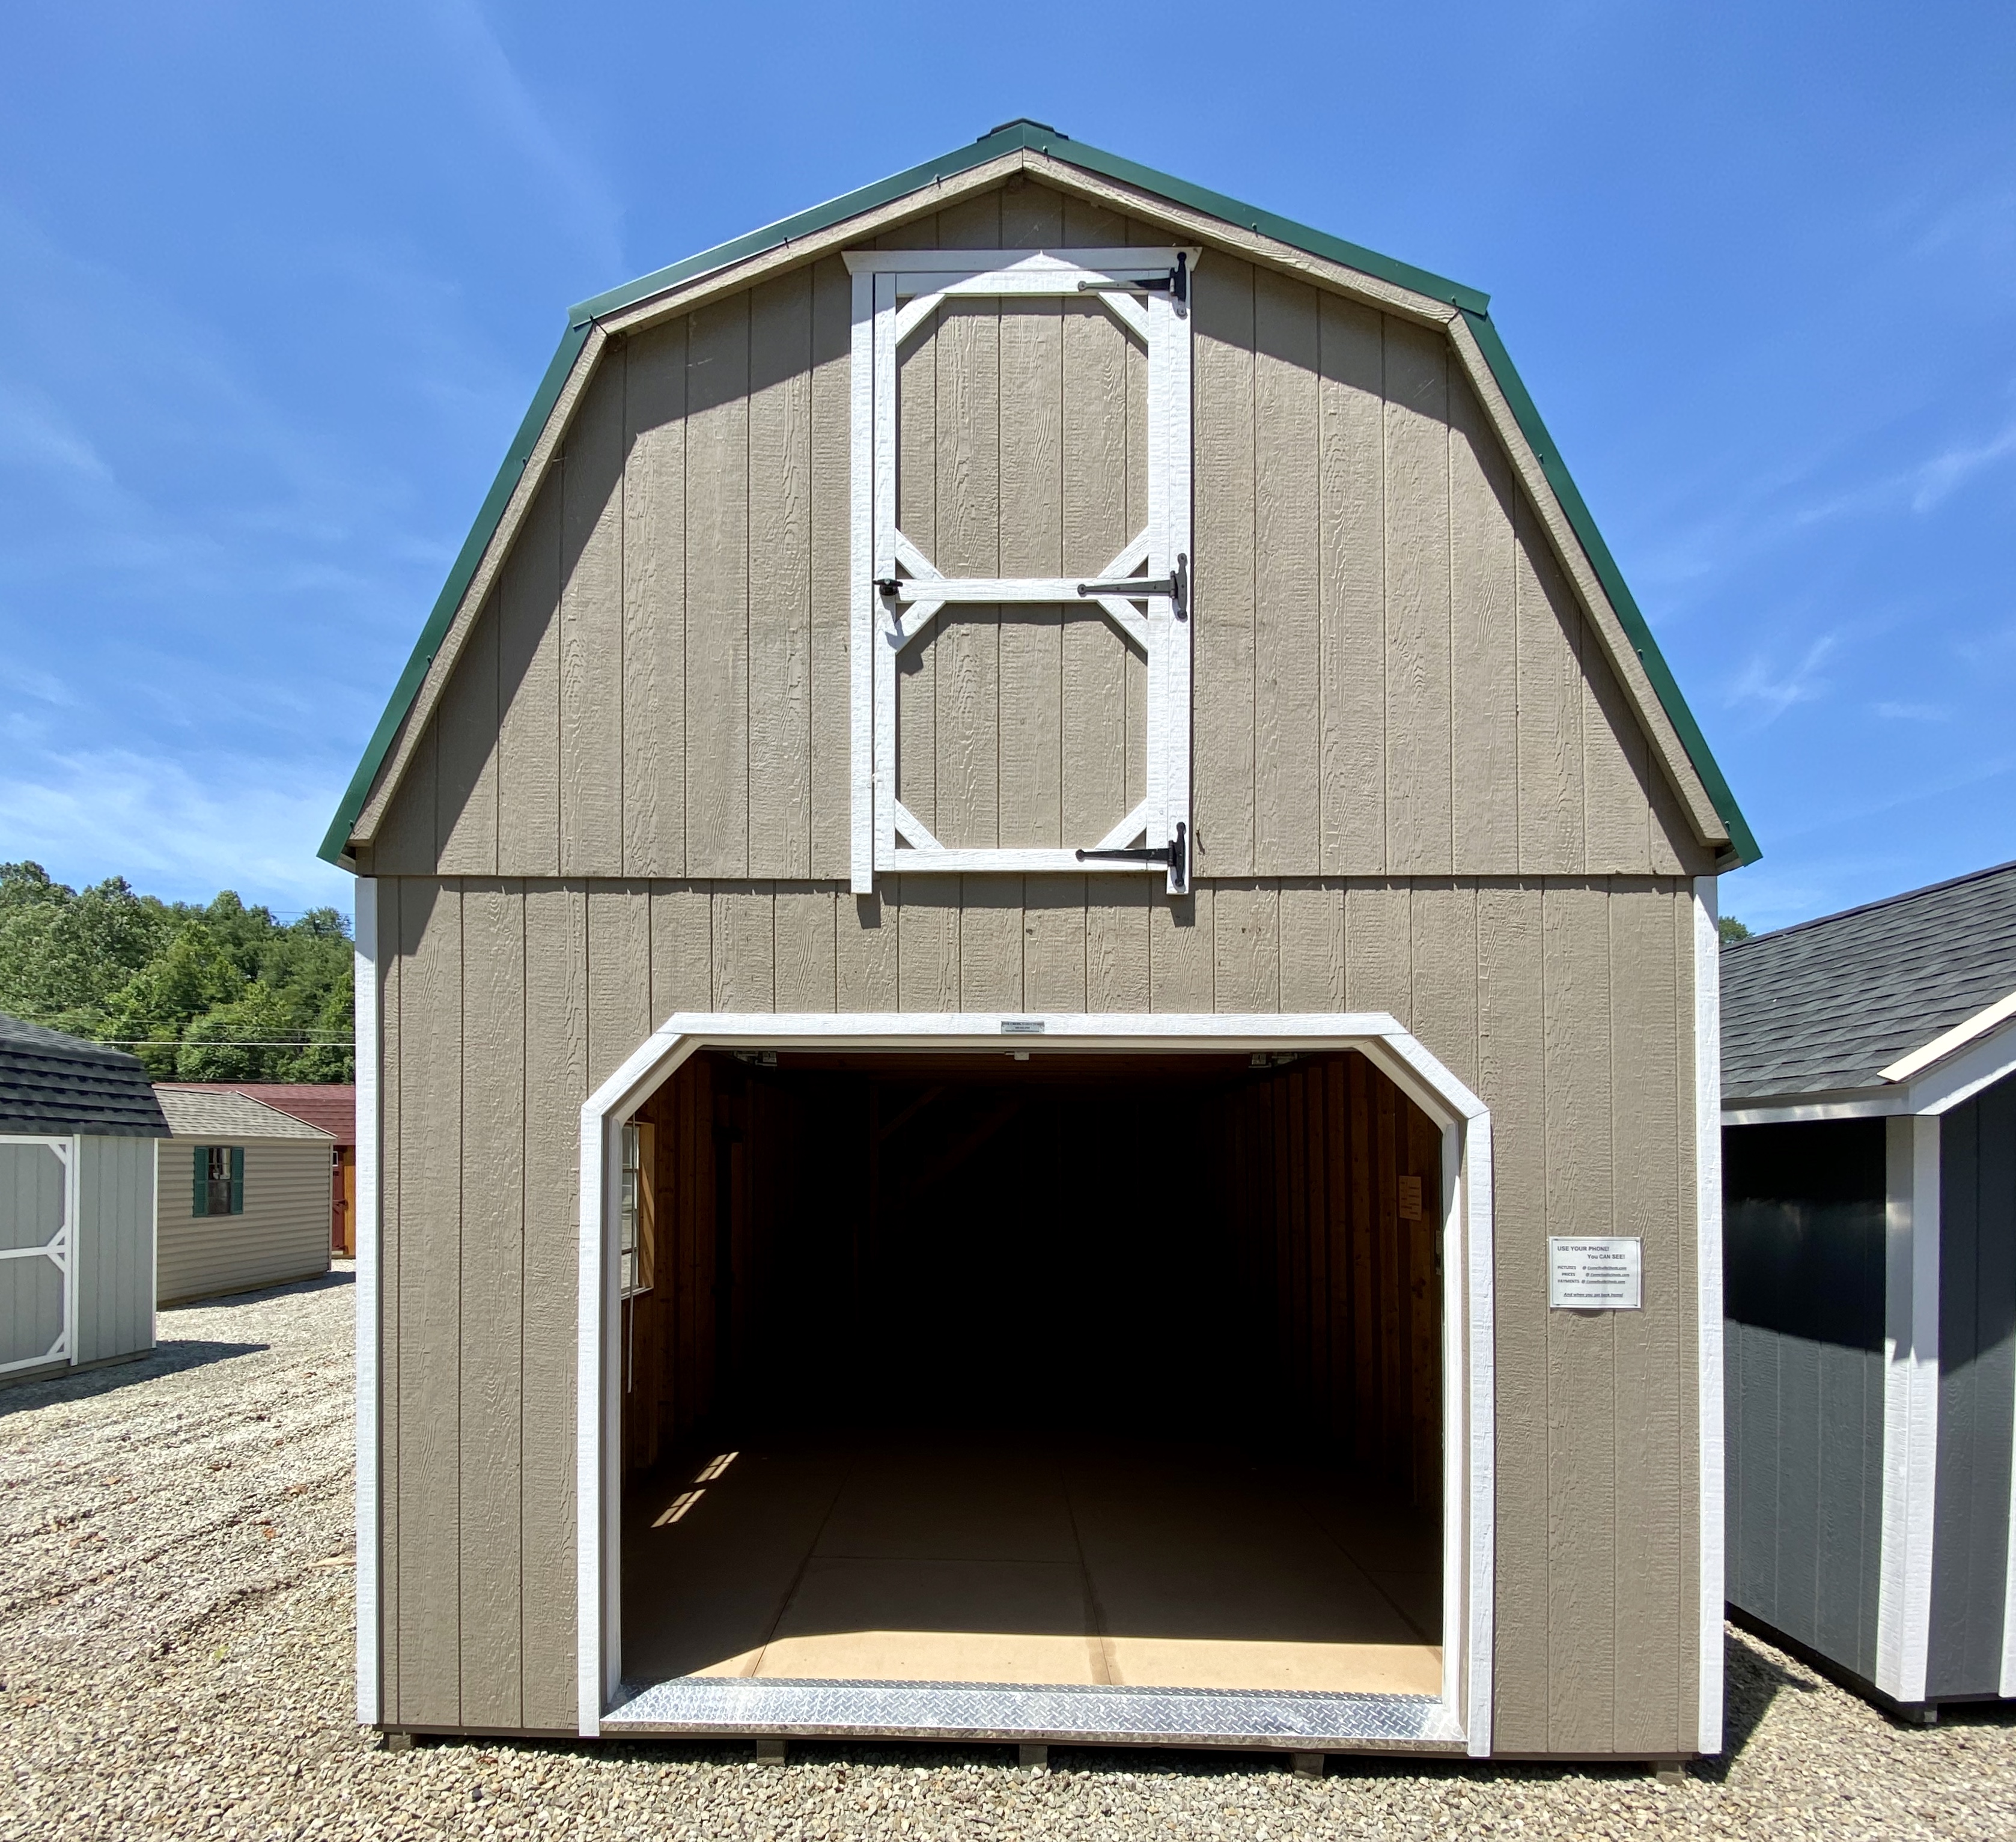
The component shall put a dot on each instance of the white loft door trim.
(895, 294)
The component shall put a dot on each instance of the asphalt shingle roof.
(58, 1085)
(1826, 1006)
(223, 1116)
(331, 1106)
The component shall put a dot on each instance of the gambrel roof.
(1263, 236)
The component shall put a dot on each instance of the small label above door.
(1593, 1275)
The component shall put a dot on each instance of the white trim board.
(370, 1133)
(1708, 1306)
(1910, 1407)
(1468, 1446)
(1983, 1020)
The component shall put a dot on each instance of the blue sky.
(276, 283)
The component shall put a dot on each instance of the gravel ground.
(176, 1660)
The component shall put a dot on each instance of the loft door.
(1022, 561)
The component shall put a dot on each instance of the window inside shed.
(1074, 1368)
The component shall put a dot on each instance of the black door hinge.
(1173, 854)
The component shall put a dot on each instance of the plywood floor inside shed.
(931, 1559)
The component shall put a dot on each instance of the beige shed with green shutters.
(241, 1197)
(1037, 1021)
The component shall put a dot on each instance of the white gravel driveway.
(176, 1660)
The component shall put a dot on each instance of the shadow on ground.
(167, 1358)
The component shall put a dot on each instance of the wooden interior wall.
(1310, 1162)
(1391, 675)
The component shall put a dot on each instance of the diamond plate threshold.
(1272, 1718)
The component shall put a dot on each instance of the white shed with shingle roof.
(1869, 1085)
(243, 1195)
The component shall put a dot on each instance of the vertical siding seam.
(520, 907)
(623, 624)
(748, 600)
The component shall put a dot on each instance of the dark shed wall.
(1977, 1392)
(1803, 1229)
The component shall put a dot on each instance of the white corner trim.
(1958, 1037)
(1910, 1407)
(1708, 1304)
(1469, 1358)
(369, 1002)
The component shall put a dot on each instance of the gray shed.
(77, 1203)
(1869, 1074)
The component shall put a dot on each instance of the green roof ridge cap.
(1024, 133)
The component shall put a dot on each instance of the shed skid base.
(1065, 1714)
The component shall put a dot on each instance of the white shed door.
(1021, 554)
(35, 1252)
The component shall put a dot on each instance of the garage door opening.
(1061, 1368)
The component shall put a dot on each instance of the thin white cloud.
(1937, 478)
(240, 824)
(1911, 712)
(1774, 690)
(589, 209)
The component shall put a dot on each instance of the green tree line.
(218, 992)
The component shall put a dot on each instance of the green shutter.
(199, 1191)
(238, 1180)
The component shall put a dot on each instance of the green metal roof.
(1036, 137)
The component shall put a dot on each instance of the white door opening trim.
(1468, 1354)
(896, 294)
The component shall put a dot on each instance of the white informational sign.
(1593, 1275)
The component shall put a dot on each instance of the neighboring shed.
(1033, 889)
(77, 1203)
(244, 1195)
(333, 1107)
(1869, 1092)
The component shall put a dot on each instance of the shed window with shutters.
(903, 599)
(217, 1181)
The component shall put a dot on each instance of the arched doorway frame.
(1468, 1278)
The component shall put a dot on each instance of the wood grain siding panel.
(682, 949)
(745, 950)
(716, 590)
(1054, 943)
(654, 587)
(1583, 1518)
(1287, 566)
(831, 538)
(1511, 1048)
(926, 909)
(1181, 952)
(528, 692)
(466, 762)
(1655, 1547)
(780, 589)
(803, 930)
(1418, 793)
(408, 841)
(1117, 925)
(1313, 952)
(1031, 744)
(1246, 946)
(1222, 640)
(1552, 837)
(1351, 506)
(966, 641)
(619, 975)
(864, 952)
(430, 1377)
(492, 1301)
(555, 1083)
(990, 943)
(1484, 651)
(1099, 462)
(591, 627)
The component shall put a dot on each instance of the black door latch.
(1172, 853)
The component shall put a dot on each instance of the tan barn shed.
(1037, 1021)
(242, 1195)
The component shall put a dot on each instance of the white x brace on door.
(1144, 590)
